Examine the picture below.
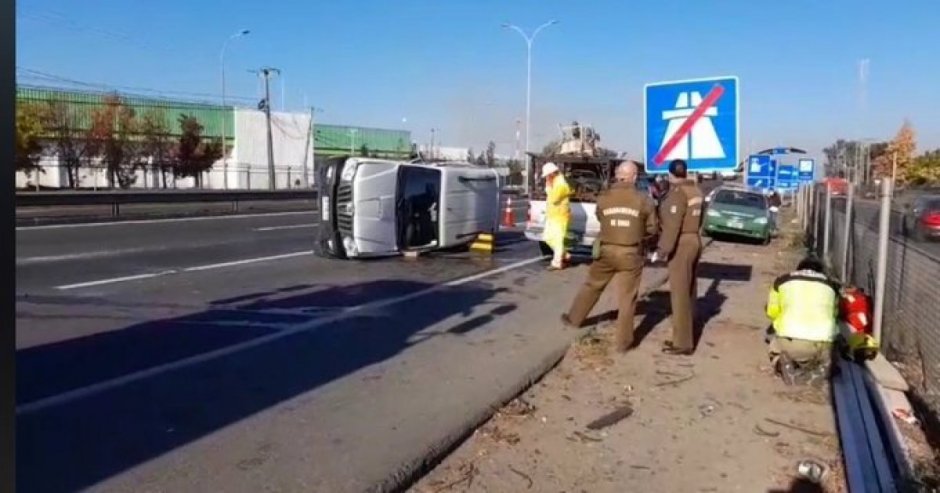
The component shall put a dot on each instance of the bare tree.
(70, 141)
(156, 143)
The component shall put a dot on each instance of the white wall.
(250, 155)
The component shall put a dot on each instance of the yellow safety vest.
(804, 305)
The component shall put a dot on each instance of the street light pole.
(528, 91)
(239, 34)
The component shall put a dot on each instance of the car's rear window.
(746, 199)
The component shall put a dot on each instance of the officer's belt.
(607, 243)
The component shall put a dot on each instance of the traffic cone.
(508, 222)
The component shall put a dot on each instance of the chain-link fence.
(846, 230)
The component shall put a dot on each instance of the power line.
(52, 17)
(40, 75)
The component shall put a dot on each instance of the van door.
(373, 212)
(418, 207)
(471, 204)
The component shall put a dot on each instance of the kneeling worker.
(627, 217)
(803, 307)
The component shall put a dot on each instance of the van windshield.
(744, 199)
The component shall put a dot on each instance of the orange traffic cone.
(508, 221)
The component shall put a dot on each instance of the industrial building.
(243, 129)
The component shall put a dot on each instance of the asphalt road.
(165, 335)
(867, 214)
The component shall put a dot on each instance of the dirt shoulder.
(717, 421)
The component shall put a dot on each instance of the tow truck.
(588, 170)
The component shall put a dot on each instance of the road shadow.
(800, 485)
(76, 444)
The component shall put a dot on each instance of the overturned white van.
(374, 207)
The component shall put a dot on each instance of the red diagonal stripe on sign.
(686, 126)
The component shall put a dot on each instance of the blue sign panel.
(807, 170)
(787, 177)
(761, 165)
(761, 171)
(762, 182)
(693, 120)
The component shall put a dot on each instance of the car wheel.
(766, 240)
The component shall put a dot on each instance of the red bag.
(855, 307)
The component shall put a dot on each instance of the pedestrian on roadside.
(557, 214)
(627, 217)
(680, 244)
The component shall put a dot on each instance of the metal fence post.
(847, 231)
(248, 178)
(827, 225)
(884, 232)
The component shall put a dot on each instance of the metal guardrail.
(117, 198)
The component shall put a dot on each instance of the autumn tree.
(193, 154)
(113, 132)
(156, 143)
(70, 141)
(902, 149)
(29, 129)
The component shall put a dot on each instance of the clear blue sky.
(447, 64)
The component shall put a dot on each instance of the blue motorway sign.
(806, 170)
(694, 120)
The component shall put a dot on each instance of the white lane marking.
(247, 261)
(157, 221)
(42, 259)
(114, 279)
(292, 226)
(96, 388)
(186, 269)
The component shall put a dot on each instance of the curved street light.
(528, 91)
(243, 32)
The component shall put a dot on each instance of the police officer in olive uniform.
(680, 214)
(627, 217)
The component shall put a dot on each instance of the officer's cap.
(678, 168)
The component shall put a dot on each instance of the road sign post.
(693, 120)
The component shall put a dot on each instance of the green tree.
(364, 150)
(193, 154)
(925, 169)
(29, 129)
(156, 143)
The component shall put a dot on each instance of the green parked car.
(741, 213)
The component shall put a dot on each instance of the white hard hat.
(549, 168)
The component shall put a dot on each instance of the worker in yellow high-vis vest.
(557, 214)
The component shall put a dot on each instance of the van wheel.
(545, 249)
